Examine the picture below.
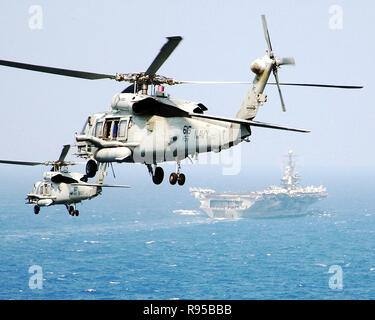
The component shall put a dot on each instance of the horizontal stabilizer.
(100, 185)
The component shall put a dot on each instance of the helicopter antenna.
(113, 171)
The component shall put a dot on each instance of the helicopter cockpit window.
(43, 189)
(40, 189)
(84, 128)
(99, 129)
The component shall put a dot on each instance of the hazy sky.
(41, 112)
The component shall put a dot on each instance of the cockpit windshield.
(85, 127)
(36, 187)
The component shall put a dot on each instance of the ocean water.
(153, 242)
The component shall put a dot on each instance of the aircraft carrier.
(288, 199)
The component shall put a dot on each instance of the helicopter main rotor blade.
(163, 55)
(210, 82)
(64, 152)
(337, 86)
(22, 163)
(58, 71)
(45, 163)
(317, 85)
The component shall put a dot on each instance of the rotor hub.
(141, 78)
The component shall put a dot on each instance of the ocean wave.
(187, 212)
(90, 241)
(320, 265)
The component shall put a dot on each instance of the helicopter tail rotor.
(277, 62)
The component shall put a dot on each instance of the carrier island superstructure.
(288, 199)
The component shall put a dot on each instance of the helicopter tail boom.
(254, 98)
(248, 122)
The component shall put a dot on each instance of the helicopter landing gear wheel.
(181, 179)
(158, 176)
(91, 168)
(177, 176)
(36, 209)
(71, 210)
(173, 178)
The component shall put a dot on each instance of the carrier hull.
(286, 200)
(256, 204)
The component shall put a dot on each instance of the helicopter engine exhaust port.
(91, 168)
(258, 66)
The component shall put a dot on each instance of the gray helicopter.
(145, 125)
(60, 186)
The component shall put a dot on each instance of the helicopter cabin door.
(116, 129)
